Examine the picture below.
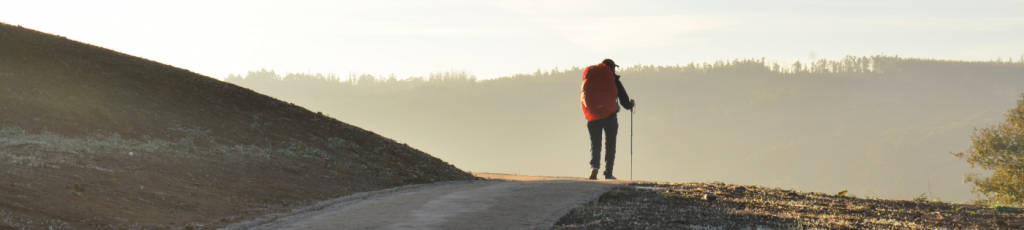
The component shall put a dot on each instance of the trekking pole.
(631, 112)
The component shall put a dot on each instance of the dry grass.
(194, 144)
(682, 206)
(50, 181)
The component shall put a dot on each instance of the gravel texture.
(683, 206)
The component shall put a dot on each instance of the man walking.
(598, 96)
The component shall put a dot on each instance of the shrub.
(999, 148)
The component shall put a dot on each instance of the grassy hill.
(93, 138)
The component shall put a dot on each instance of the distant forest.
(880, 125)
(845, 67)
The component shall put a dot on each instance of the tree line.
(847, 65)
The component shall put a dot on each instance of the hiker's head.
(610, 63)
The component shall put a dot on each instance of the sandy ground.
(502, 202)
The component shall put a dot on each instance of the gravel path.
(505, 202)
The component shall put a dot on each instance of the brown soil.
(53, 85)
(682, 206)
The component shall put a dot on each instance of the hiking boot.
(593, 174)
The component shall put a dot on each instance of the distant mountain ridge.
(878, 125)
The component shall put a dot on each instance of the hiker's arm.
(623, 97)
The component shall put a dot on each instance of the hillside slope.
(96, 138)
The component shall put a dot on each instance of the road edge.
(271, 218)
(550, 222)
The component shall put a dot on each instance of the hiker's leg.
(611, 129)
(594, 127)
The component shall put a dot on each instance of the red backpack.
(598, 93)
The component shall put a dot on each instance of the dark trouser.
(610, 126)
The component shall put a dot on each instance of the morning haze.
(880, 126)
(236, 114)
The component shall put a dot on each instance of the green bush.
(999, 148)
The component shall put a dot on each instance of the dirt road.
(506, 202)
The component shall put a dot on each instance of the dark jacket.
(623, 97)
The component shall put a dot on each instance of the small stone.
(131, 153)
(710, 196)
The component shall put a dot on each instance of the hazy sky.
(498, 38)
